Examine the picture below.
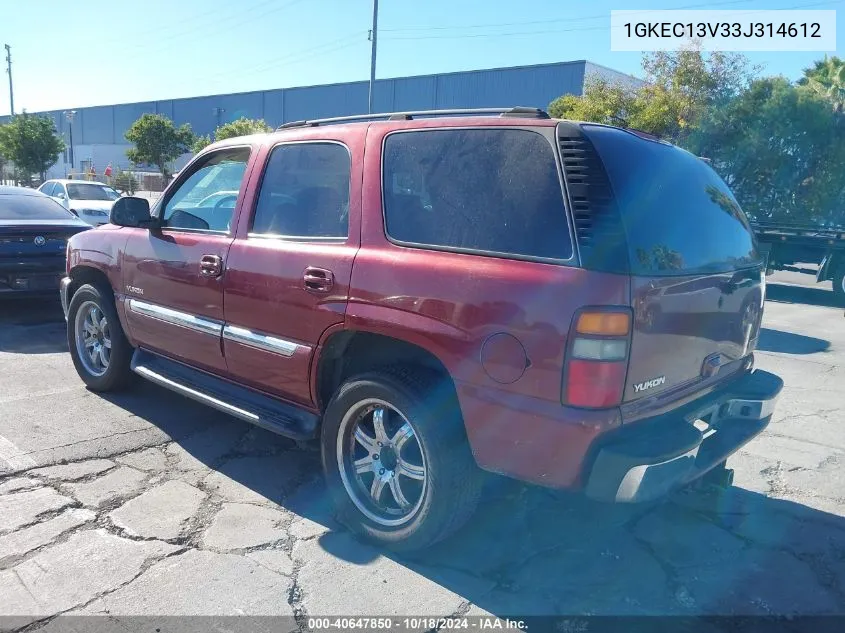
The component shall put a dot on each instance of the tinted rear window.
(29, 207)
(496, 191)
(679, 215)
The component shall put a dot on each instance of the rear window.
(90, 191)
(679, 215)
(492, 191)
(29, 207)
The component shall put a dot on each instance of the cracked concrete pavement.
(145, 503)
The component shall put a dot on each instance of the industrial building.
(97, 132)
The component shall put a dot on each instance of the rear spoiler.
(622, 123)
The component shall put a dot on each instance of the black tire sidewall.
(424, 527)
(117, 374)
(838, 282)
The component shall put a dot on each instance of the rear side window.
(496, 191)
(305, 192)
(679, 215)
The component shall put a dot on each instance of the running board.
(246, 404)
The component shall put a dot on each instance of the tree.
(125, 182)
(201, 143)
(239, 127)
(603, 101)
(158, 142)
(31, 143)
(780, 148)
(827, 78)
(680, 87)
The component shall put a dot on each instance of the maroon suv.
(569, 304)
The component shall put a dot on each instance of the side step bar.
(251, 406)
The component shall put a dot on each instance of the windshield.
(87, 191)
(27, 207)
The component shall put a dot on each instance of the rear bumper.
(64, 284)
(647, 459)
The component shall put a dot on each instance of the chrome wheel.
(93, 339)
(382, 463)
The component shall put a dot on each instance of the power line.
(550, 21)
(557, 20)
(167, 30)
(225, 26)
(293, 58)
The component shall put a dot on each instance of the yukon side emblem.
(137, 291)
(649, 384)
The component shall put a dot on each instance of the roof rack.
(518, 112)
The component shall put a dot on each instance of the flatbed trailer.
(785, 244)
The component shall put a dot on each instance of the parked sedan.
(91, 201)
(34, 230)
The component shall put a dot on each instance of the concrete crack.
(103, 437)
(295, 599)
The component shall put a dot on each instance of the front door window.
(205, 201)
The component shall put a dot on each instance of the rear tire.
(421, 482)
(98, 346)
(839, 284)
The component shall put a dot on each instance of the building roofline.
(613, 70)
(337, 83)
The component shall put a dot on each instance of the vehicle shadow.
(32, 326)
(790, 343)
(784, 293)
(528, 550)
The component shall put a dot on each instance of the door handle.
(318, 279)
(211, 266)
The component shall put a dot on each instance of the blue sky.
(97, 52)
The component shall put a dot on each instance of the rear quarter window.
(679, 215)
(494, 191)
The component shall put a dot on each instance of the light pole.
(218, 112)
(69, 116)
(373, 38)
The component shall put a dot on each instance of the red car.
(569, 304)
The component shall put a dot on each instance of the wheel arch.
(346, 352)
(83, 274)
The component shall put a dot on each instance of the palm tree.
(827, 78)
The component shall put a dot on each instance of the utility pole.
(9, 70)
(373, 38)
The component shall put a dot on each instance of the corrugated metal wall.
(98, 131)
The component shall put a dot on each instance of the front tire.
(98, 346)
(396, 459)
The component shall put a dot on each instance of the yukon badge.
(649, 384)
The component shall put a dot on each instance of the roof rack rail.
(519, 112)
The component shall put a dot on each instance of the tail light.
(597, 358)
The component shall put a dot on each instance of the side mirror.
(131, 211)
(60, 196)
